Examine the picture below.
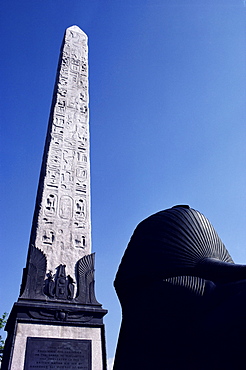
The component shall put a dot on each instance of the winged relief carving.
(85, 280)
(33, 282)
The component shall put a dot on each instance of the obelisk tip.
(75, 29)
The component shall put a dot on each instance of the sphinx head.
(170, 243)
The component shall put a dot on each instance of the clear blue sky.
(167, 121)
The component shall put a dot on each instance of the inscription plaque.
(57, 354)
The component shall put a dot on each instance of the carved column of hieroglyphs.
(62, 229)
(57, 303)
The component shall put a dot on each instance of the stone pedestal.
(55, 336)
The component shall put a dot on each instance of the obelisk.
(61, 227)
(57, 312)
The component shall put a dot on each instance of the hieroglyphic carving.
(48, 236)
(50, 204)
(80, 209)
(66, 207)
(63, 224)
(79, 240)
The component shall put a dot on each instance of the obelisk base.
(55, 336)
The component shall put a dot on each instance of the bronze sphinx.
(183, 298)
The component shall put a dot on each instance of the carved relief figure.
(61, 283)
(59, 286)
(70, 287)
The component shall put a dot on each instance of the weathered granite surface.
(61, 224)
